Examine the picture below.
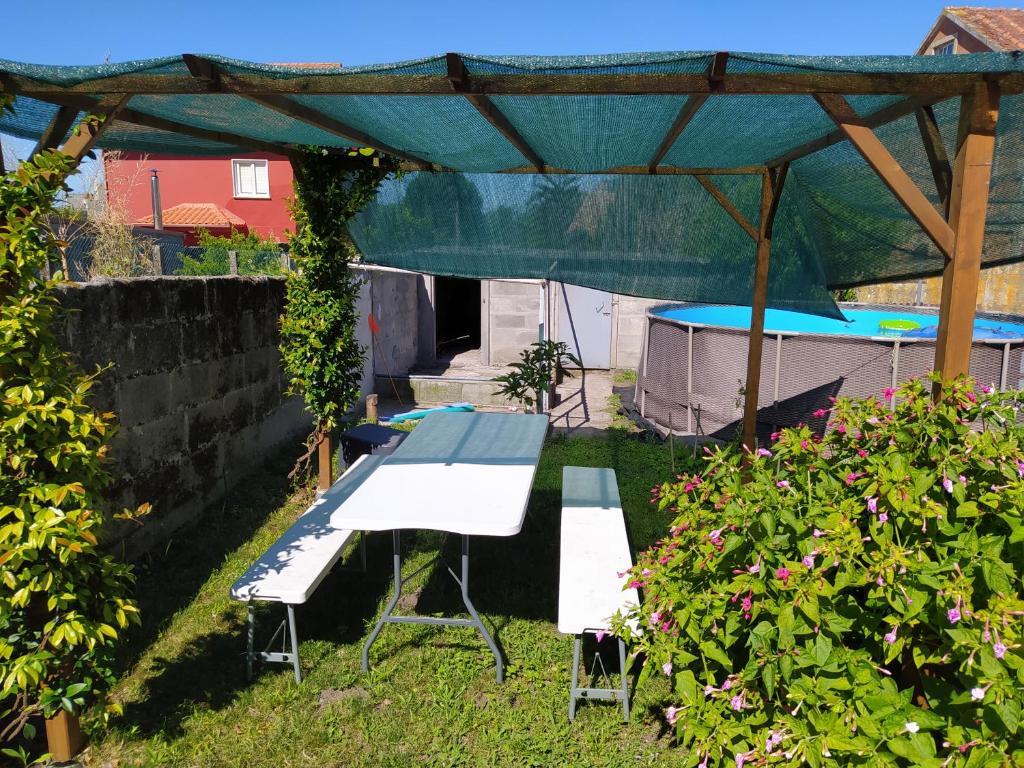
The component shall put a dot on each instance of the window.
(250, 178)
(945, 48)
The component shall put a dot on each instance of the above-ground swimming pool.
(695, 356)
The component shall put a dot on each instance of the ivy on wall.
(322, 356)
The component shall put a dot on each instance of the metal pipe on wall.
(154, 193)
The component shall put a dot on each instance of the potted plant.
(532, 375)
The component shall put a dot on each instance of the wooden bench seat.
(594, 550)
(291, 570)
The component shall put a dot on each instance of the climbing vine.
(64, 602)
(321, 354)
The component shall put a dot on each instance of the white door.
(585, 324)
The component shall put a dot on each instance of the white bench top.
(594, 550)
(292, 569)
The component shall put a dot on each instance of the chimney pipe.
(154, 189)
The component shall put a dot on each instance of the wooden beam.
(89, 130)
(58, 128)
(727, 205)
(459, 79)
(934, 147)
(771, 191)
(686, 114)
(888, 169)
(972, 171)
(626, 170)
(626, 84)
(874, 120)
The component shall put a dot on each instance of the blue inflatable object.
(414, 415)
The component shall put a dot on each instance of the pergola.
(481, 110)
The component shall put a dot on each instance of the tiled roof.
(197, 215)
(1002, 29)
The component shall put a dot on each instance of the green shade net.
(659, 236)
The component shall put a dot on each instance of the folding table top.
(466, 473)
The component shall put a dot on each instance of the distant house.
(248, 192)
(961, 29)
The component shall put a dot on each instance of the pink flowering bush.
(848, 600)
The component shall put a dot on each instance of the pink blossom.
(862, 453)
(887, 393)
(672, 714)
(600, 635)
(1020, 468)
(737, 702)
(986, 634)
(841, 429)
(755, 568)
(852, 478)
(804, 444)
(746, 604)
(667, 668)
(820, 413)
(972, 397)
(709, 689)
(890, 638)
(783, 574)
(727, 684)
(999, 649)
(808, 561)
(782, 484)
(963, 480)
(817, 534)
(763, 452)
(872, 504)
(883, 517)
(947, 484)
(987, 389)
(645, 572)
(953, 614)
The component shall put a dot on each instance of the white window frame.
(236, 165)
(942, 42)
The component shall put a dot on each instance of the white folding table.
(463, 473)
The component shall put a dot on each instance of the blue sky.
(389, 30)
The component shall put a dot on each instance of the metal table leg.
(388, 617)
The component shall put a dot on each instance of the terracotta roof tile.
(1000, 28)
(197, 215)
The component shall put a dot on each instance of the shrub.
(852, 599)
(256, 255)
(63, 600)
(531, 376)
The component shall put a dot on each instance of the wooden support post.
(938, 159)
(64, 737)
(371, 408)
(771, 191)
(157, 253)
(325, 463)
(972, 171)
(232, 262)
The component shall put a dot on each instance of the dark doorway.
(456, 315)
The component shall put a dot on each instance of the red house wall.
(200, 180)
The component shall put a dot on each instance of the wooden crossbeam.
(728, 206)
(460, 83)
(771, 192)
(58, 128)
(621, 170)
(888, 169)
(874, 120)
(625, 84)
(972, 171)
(686, 114)
(935, 149)
(92, 127)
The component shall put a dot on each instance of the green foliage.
(321, 355)
(63, 601)
(852, 599)
(256, 255)
(533, 373)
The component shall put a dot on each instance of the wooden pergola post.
(771, 191)
(972, 171)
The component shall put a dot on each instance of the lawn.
(430, 696)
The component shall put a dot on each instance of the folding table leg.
(250, 633)
(576, 643)
(397, 564)
(464, 583)
(295, 643)
(624, 681)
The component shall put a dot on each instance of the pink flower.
(709, 689)
(783, 574)
(862, 453)
(986, 634)
(963, 480)
(852, 478)
(883, 517)
(746, 604)
(672, 714)
(890, 638)
(817, 534)
(887, 393)
(999, 649)
(947, 484)
(872, 504)
(841, 429)
(987, 389)
(972, 397)
(755, 568)
(667, 668)
(953, 614)
(727, 684)
(763, 452)
(736, 702)
(782, 484)
(804, 444)
(808, 561)
(820, 413)
(600, 635)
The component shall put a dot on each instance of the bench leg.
(576, 643)
(624, 681)
(295, 643)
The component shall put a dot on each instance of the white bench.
(594, 550)
(291, 570)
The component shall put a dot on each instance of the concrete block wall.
(1001, 290)
(195, 379)
(394, 297)
(630, 323)
(514, 309)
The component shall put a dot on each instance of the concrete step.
(428, 390)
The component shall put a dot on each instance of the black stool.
(369, 438)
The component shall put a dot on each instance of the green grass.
(430, 697)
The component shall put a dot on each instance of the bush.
(531, 376)
(64, 601)
(256, 256)
(857, 600)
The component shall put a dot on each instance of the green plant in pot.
(852, 599)
(532, 375)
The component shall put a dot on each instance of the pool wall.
(691, 375)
